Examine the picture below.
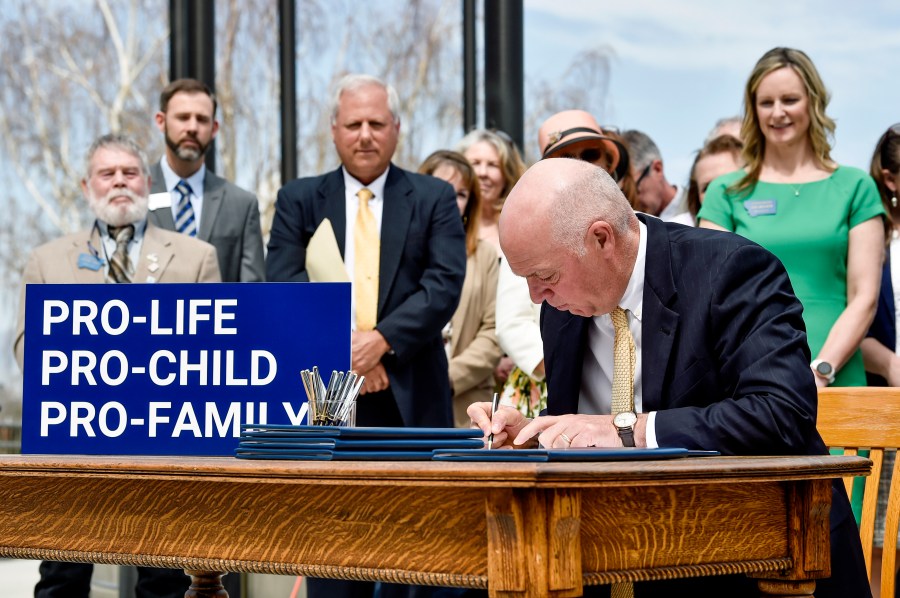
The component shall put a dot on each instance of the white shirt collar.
(676, 206)
(171, 178)
(139, 228)
(352, 185)
(633, 298)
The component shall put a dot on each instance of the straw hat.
(570, 132)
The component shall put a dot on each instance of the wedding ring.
(566, 438)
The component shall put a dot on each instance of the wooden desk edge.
(503, 474)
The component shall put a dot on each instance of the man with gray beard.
(121, 246)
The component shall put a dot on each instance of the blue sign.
(173, 369)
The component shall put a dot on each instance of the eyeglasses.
(588, 154)
(644, 174)
(595, 156)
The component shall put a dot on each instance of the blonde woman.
(498, 166)
(823, 220)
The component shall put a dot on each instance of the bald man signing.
(719, 347)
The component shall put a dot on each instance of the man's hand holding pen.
(505, 424)
(511, 429)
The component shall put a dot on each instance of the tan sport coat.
(474, 351)
(172, 257)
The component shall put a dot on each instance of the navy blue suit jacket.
(422, 266)
(884, 326)
(725, 361)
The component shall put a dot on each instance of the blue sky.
(678, 66)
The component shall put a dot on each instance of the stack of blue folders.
(328, 443)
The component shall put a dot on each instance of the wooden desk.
(518, 529)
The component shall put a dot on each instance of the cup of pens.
(334, 404)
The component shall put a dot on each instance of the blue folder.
(326, 455)
(274, 430)
(426, 444)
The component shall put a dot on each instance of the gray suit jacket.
(229, 221)
(176, 258)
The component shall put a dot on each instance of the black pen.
(494, 405)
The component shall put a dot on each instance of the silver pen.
(494, 404)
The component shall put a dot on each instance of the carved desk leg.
(206, 584)
(534, 543)
(809, 507)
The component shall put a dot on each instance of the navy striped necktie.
(184, 219)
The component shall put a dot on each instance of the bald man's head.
(566, 220)
(562, 197)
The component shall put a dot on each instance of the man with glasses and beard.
(192, 200)
(121, 246)
(657, 195)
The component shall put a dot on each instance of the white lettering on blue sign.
(112, 419)
(115, 317)
(201, 368)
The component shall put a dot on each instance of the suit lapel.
(156, 255)
(333, 205)
(213, 194)
(395, 220)
(157, 180)
(660, 323)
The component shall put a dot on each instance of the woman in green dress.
(822, 220)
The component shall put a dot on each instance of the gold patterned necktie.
(366, 255)
(622, 397)
(119, 264)
(623, 363)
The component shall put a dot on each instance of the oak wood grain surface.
(527, 529)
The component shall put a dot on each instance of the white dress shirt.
(595, 396)
(351, 202)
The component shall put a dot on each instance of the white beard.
(121, 214)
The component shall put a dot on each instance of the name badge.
(159, 200)
(761, 207)
(89, 262)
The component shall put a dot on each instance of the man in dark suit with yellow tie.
(403, 246)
